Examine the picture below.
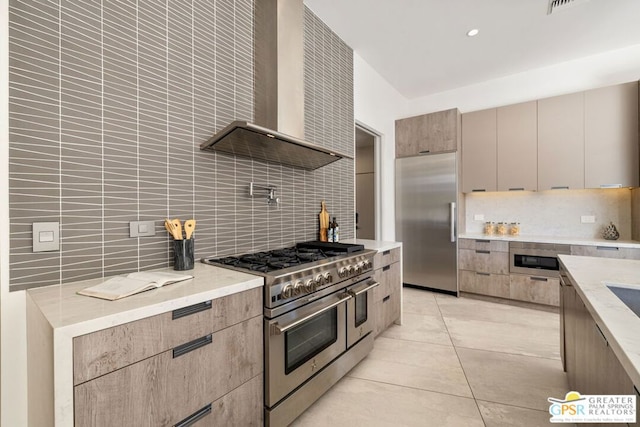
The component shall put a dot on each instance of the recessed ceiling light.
(473, 32)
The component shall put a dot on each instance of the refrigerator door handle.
(452, 225)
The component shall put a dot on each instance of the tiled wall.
(109, 102)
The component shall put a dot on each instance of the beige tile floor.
(454, 362)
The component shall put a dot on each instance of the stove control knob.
(298, 288)
(351, 270)
(367, 264)
(287, 291)
(359, 267)
(343, 272)
(328, 278)
(310, 285)
(319, 280)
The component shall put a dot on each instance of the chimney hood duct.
(279, 94)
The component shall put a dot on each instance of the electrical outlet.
(142, 228)
(588, 219)
(478, 217)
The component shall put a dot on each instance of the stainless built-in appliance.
(318, 319)
(536, 259)
(426, 197)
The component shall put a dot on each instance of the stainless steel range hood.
(278, 132)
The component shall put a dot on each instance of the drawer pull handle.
(516, 189)
(478, 190)
(386, 267)
(478, 251)
(560, 187)
(424, 152)
(539, 279)
(385, 299)
(192, 345)
(601, 334)
(386, 252)
(192, 309)
(607, 248)
(482, 274)
(191, 419)
(483, 241)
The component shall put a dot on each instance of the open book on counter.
(122, 286)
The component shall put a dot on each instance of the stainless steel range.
(318, 310)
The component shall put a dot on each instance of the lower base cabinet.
(591, 365)
(387, 296)
(476, 282)
(175, 385)
(539, 290)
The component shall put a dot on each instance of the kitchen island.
(137, 332)
(599, 333)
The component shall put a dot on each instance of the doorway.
(366, 182)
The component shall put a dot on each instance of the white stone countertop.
(554, 240)
(618, 323)
(377, 245)
(78, 314)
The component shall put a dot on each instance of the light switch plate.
(478, 217)
(588, 219)
(142, 228)
(46, 236)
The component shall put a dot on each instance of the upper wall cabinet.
(479, 151)
(561, 142)
(428, 133)
(518, 147)
(611, 136)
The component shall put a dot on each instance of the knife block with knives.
(183, 248)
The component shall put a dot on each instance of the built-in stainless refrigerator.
(426, 201)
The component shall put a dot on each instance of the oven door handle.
(362, 291)
(277, 329)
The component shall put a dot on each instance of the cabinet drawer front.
(496, 285)
(387, 311)
(484, 245)
(104, 351)
(164, 390)
(384, 258)
(606, 252)
(389, 279)
(484, 261)
(540, 290)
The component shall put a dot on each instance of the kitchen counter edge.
(554, 240)
(617, 322)
(74, 315)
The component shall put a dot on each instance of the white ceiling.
(420, 46)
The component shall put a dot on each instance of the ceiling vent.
(560, 5)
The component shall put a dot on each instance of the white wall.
(614, 67)
(376, 106)
(13, 347)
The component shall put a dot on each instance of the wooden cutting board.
(324, 222)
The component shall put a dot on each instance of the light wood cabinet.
(205, 360)
(517, 146)
(561, 142)
(428, 133)
(483, 267)
(592, 366)
(611, 136)
(539, 290)
(606, 251)
(387, 296)
(479, 151)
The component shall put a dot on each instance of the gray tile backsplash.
(109, 103)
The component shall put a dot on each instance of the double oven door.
(298, 344)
